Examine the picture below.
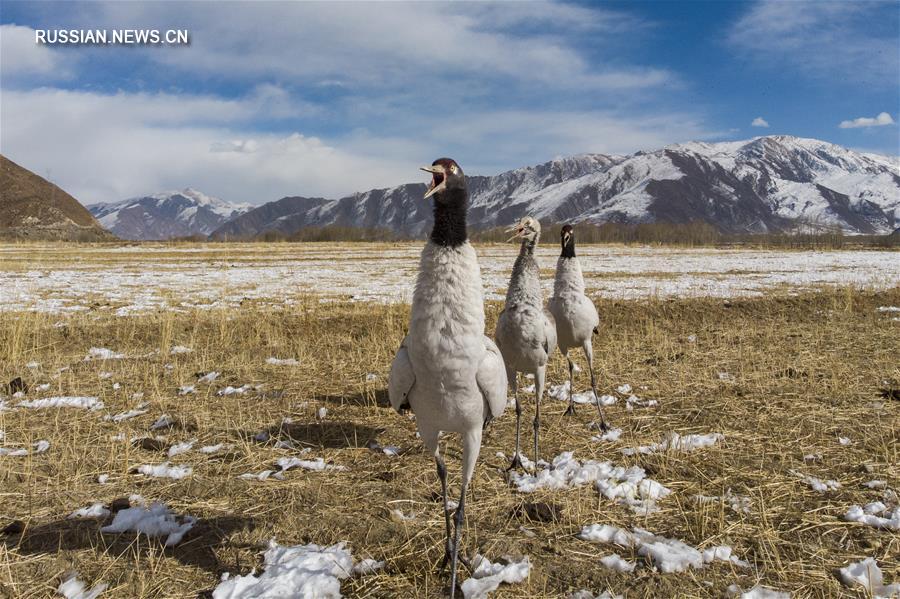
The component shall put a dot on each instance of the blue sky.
(284, 98)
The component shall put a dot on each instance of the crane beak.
(518, 231)
(438, 179)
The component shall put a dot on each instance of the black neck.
(450, 218)
(568, 250)
(527, 247)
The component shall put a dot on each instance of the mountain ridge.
(765, 184)
(167, 214)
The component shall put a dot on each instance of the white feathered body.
(525, 332)
(575, 314)
(451, 375)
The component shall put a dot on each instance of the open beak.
(438, 179)
(517, 230)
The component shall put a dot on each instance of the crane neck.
(450, 218)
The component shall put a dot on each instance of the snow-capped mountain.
(166, 215)
(773, 183)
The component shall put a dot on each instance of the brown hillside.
(32, 207)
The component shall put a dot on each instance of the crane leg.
(589, 354)
(570, 411)
(516, 460)
(539, 385)
(458, 523)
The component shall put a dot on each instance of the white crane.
(446, 370)
(575, 314)
(526, 334)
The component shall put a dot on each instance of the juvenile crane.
(446, 370)
(575, 314)
(525, 332)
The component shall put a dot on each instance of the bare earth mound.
(33, 208)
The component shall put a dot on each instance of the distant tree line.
(695, 234)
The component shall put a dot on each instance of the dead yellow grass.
(805, 370)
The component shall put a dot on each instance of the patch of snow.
(612, 434)
(164, 421)
(624, 389)
(669, 555)
(165, 470)
(615, 562)
(96, 510)
(738, 503)
(156, 520)
(102, 353)
(876, 484)
(229, 390)
(844, 440)
(186, 389)
(321, 413)
(33, 365)
(398, 516)
(103, 478)
(875, 514)
(629, 486)
(180, 448)
(757, 592)
(487, 576)
(889, 308)
(282, 362)
(43, 387)
(817, 484)
(121, 416)
(371, 376)
(868, 575)
(208, 377)
(214, 448)
(367, 566)
(676, 442)
(180, 349)
(84, 403)
(312, 571)
(72, 588)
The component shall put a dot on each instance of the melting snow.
(669, 555)
(186, 389)
(487, 577)
(127, 415)
(165, 470)
(180, 349)
(738, 503)
(282, 362)
(817, 484)
(229, 390)
(84, 403)
(101, 353)
(875, 514)
(629, 486)
(757, 592)
(180, 448)
(214, 448)
(208, 377)
(96, 510)
(164, 421)
(154, 521)
(72, 588)
(612, 434)
(312, 571)
(615, 562)
(677, 442)
(285, 464)
(868, 575)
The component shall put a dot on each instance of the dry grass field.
(797, 383)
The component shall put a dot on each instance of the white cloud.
(844, 41)
(419, 45)
(21, 57)
(879, 121)
(105, 147)
(759, 122)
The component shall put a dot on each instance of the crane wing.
(491, 379)
(401, 380)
